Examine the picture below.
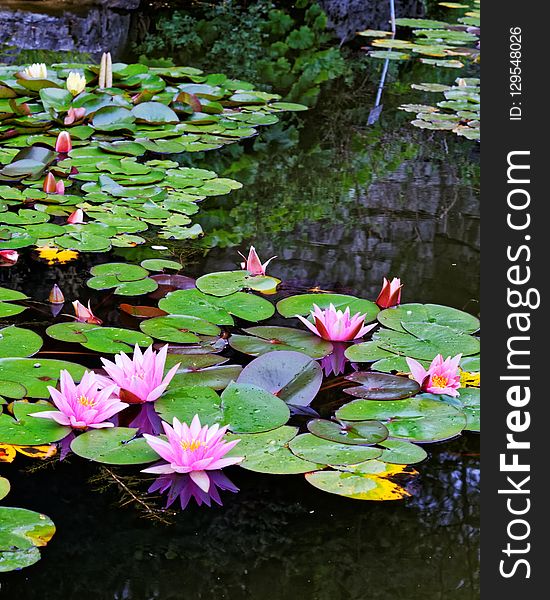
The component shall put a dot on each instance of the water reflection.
(278, 538)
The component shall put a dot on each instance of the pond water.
(341, 205)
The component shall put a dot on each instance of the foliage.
(288, 53)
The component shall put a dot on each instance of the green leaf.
(26, 430)
(414, 419)
(303, 304)
(361, 433)
(319, 450)
(380, 386)
(114, 446)
(264, 339)
(18, 342)
(393, 318)
(180, 329)
(21, 533)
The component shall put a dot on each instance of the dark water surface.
(342, 206)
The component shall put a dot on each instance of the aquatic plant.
(336, 325)
(89, 403)
(441, 377)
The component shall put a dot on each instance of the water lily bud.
(49, 185)
(74, 114)
(60, 187)
(390, 294)
(36, 71)
(76, 217)
(76, 83)
(63, 144)
(85, 315)
(8, 258)
(56, 295)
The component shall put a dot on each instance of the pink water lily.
(390, 294)
(74, 114)
(253, 264)
(336, 326)
(441, 377)
(140, 378)
(88, 404)
(192, 449)
(49, 184)
(84, 314)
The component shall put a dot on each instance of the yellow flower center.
(87, 402)
(439, 381)
(194, 445)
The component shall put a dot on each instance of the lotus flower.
(390, 294)
(76, 83)
(442, 376)
(56, 295)
(8, 257)
(87, 404)
(105, 71)
(193, 450)
(253, 263)
(49, 185)
(37, 71)
(63, 143)
(140, 378)
(74, 114)
(76, 217)
(181, 486)
(85, 315)
(336, 326)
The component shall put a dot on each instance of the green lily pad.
(414, 419)
(292, 376)
(400, 452)
(303, 304)
(355, 433)
(4, 487)
(111, 340)
(18, 342)
(393, 318)
(160, 264)
(114, 446)
(154, 112)
(217, 377)
(25, 430)
(217, 310)
(268, 452)
(180, 329)
(264, 339)
(225, 283)
(323, 451)
(244, 408)
(380, 386)
(22, 532)
(358, 486)
(426, 340)
(70, 332)
(468, 402)
(36, 375)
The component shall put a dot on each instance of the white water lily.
(75, 83)
(37, 71)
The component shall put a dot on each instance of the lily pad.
(358, 486)
(22, 532)
(393, 318)
(18, 342)
(111, 340)
(323, 451)
(225, 283)
(379, 386)
(114, 446)
(400, 452)
(36, 375)
(264, 339)
(269, 452)
(181, 329)
(414, 419)
(292, 376)
(303, 304)
(355, 433)
(217, 377)
(26, 430)
(244, 408)
(217, 310)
